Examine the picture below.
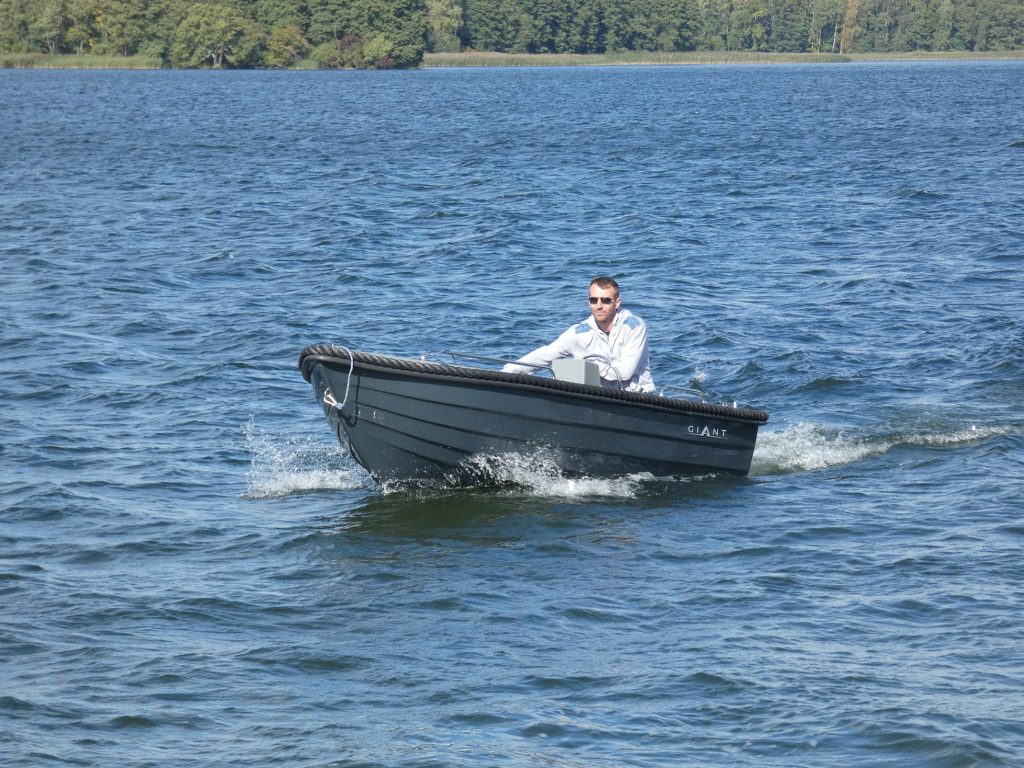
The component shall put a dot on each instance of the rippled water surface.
(193, 572)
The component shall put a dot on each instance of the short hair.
(605, 283)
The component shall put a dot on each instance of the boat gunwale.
(327, 353)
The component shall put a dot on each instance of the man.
(610, 332)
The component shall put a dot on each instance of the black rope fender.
(328, 353)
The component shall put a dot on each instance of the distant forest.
(395, 33)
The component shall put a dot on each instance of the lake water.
(192, 571)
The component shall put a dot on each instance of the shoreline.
(492, 59)
(694, 58)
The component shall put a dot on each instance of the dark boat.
(406, 419)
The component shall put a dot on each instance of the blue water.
(193, 572)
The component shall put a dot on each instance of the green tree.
(788, 25)
(1000, 26)
(614, 25)
(678, 23)
(715, 15)
(285, 46)
(877, 26)
(280, 13)
(161, 21)
(15, 21)
(585, 34)
(962, 27)
(215, 35)
(28, 26)
(119, 26)
(49, 21)
(851, 26)
(653, 25)
(824, 25)
(749, 25)
(492, 25)
(943, 25)
(444, 25)
(917, 24)
(355, 25)
(80, 15)
(561, 26)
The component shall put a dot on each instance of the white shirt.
(625, 346)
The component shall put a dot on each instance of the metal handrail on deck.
(693, 393)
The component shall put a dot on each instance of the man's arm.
(633, 350)
(543, 356)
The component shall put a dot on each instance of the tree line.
(396, 33)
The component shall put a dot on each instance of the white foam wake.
(284, 464)
(808, 446)
(539, 475)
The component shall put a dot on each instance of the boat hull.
(405, 420)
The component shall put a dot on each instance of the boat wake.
(538, 474)
(282, 465)
(808, 446)
(285, 465)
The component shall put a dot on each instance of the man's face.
(606, 305)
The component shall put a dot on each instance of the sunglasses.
(602, 299)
